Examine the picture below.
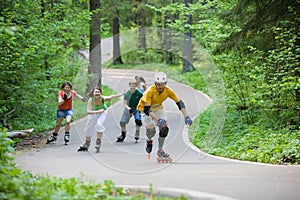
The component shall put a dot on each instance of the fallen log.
(19, 133)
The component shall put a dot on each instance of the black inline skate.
(98, 145)
(85, 146)
(67, 138)
(52, 138)
(137, 136)
(149, 145)
(121, 137)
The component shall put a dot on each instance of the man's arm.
(125, 103)
(181, 107)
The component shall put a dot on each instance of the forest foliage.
(254, 44)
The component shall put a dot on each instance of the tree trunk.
(169, 58)
(139, 19)
(187, 44)
(142, 37)
(168, 37)
(117, 59)
(43, 9)
(94, 69)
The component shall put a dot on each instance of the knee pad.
(163, 132)
(138, 122)
(150, 132)
(122, 124)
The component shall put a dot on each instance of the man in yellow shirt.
(154, 114)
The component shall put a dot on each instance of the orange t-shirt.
(67, 105)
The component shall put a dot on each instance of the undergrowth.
(248, 142)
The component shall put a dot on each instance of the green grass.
(248, 142)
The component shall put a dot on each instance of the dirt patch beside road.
(33, 141)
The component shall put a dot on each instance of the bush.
(250, 142)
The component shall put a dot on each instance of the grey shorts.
(126, 116)
(147, 120)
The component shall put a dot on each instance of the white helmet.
(160, 77)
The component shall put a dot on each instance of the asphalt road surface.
(192, 173)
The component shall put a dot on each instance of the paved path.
(193, 173)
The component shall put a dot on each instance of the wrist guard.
(65, 97)
(188, 121)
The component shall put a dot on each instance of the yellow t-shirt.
(155, 99)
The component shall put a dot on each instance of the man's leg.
(124, 120)
(138, 124)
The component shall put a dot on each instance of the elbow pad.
(147, 110)
(180, 104)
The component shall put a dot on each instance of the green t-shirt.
(101, 106)
(133, 99)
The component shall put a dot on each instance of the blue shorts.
(63, 113)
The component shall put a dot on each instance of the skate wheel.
(164, 160)
(159, 160)
(81, 150)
